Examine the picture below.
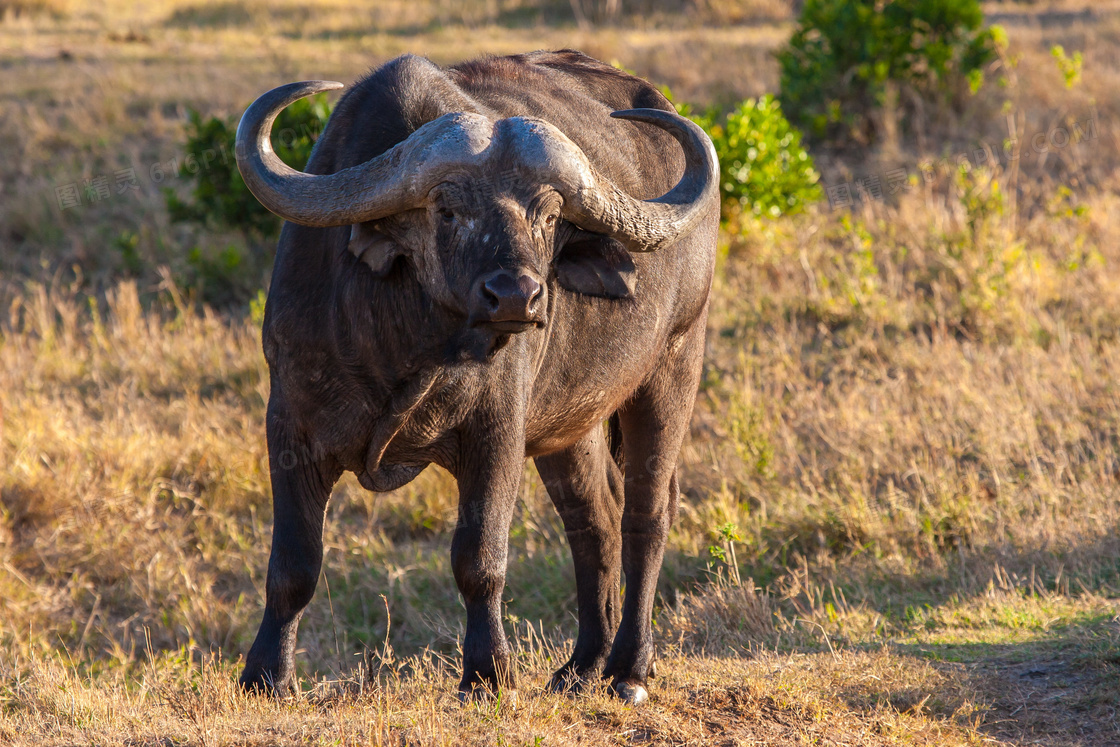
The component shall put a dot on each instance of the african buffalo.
(482, 265)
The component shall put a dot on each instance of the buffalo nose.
(506, 297)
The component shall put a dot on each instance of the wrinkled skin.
(388, 351)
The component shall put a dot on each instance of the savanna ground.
(910, 413)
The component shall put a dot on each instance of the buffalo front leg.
(488, 485)
(300, 489)
(586, 486)
(654, 424)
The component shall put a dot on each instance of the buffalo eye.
(550, 220)
(446, 214)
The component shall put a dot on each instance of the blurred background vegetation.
(905, 456)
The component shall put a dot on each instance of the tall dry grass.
(859, 417)
(909, 421)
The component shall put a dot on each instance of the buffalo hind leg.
(654, 424)
(300, 489)
(586, 485)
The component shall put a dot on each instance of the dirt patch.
(1059, 701)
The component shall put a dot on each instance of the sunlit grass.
(909, 421)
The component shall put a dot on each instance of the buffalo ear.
(596, 266)
(376, 249)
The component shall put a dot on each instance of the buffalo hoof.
(503, 698)
(630, 693)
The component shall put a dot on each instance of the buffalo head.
(483, 208)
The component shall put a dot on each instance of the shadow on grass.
(1042, 663)
(1092, 567)
(1062, 688)
(556, 13)
(520, 18)
(1022, 656)
(409, 598)
(211, 16)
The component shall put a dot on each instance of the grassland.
(910, 415)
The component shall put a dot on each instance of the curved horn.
(647, 225)
(392, 182)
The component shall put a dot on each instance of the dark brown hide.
(480, 327)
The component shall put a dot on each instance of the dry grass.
(771, 699)
(910, 415)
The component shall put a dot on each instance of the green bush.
(846, 56)
(219, 197)
(764, 169)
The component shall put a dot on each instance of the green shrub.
(846, 56)
(764, 169)
(1069, 67)
(219, 197)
